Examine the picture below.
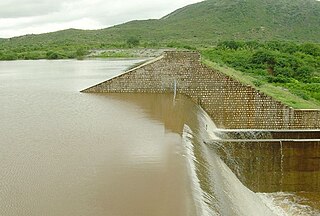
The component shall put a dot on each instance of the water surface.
(67, 153)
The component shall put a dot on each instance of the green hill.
(249, 20)
(202, 23)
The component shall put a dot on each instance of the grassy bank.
(287, 71)
(277, 92)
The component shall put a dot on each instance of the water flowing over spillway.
(222, 193)
(225, 194)
(67, 153)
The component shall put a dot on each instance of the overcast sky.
(19, 17)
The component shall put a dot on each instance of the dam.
(229, 103)
(269, 146)
(141, 154)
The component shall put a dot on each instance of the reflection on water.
(67, 153)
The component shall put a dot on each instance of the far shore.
(127, 53)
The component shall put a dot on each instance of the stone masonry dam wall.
(230, 103)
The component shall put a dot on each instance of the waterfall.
(201, 198)
(216, 189)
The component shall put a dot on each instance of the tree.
(234, 45)
(133, 42)
(304, 73)
(311, 49)
(81, 52)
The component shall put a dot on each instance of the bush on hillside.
(291, 65)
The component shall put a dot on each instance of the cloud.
(26, 8)
(18, 17)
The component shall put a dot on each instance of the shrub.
(257, 83)
(263, 57)
(54, 55)
(133, 42)
(304, 73)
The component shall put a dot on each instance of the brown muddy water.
(67, 153)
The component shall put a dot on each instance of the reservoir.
(63, 152)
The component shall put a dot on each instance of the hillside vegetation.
(279, 52)
(201, 24)
(292, 68)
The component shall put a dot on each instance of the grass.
(277, 92)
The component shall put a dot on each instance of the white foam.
(287, 204)
(201, 198)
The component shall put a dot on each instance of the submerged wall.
(270, 165)
(229, 103)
